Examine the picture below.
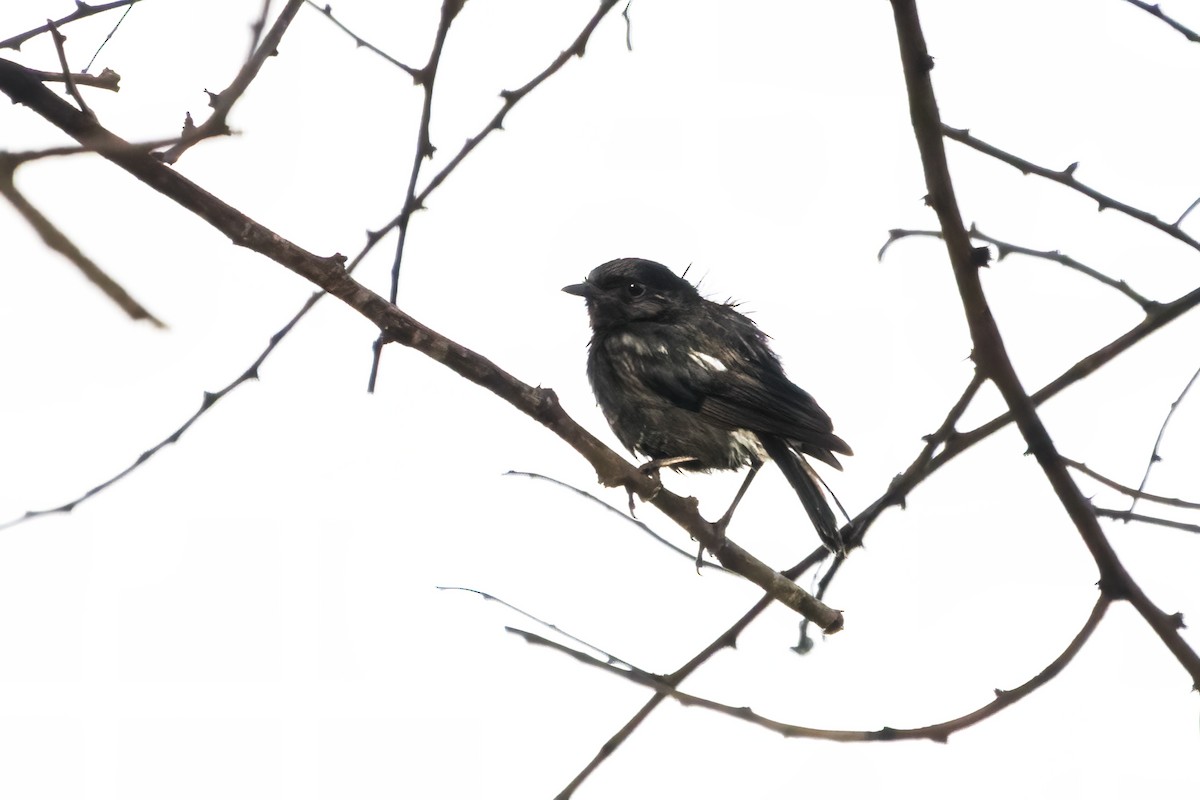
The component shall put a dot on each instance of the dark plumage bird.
(693, 384)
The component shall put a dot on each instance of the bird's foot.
(651, 469)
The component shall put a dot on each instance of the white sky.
(254, 613)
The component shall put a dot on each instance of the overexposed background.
(255, 614)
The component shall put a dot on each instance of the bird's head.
(633, 290)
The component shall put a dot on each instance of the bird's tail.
(806, 484)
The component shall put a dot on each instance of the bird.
(693, 384)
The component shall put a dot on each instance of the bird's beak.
(578, 289)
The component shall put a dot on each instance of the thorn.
(209, 399)
(1069, 172)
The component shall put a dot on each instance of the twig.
(628, 27)
(1126, 490)
(105, 80)
(425, 77)
(1004, 249)
(1154, 10)
(939, 732)
(72, 89)
(327, 12)
(56, 240)
(222, 104)
(658, 537)
(257, 27)
(609, 657)
(107, 38)
(81, 10)
(990, 353)
(1129, 516)
(1154, 456)
(510, 97)
(1187, 211)
(1067, 178)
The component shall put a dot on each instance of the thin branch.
(628, 27)
(658, 537)
(425, 77)
(327, 12)
(611, 659)
(990, 353)
(72, 89)
(1187, 211)
(511, 97)
(107, 38)
(105, 80)
(1067, 178)
(1155, 11)
(1129, 516)
(222, 104)
(56, 240)
(1129, 491)
(257, 27)
(1005, 249)
(1154, 456)
(939, 732)
(81, 10)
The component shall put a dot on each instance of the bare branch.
(511, 98)
(990, 353)
(81, 10)
(329, 274)
(105, 80)
(1154, 456)
(72, 89)
(658, 537)
(1154, 10)
(1004, 249)
(939, 732)
(327, 12)
(1129, 516)
(1067, 178)
(222, 104)
(1126, 490)
(56, 240)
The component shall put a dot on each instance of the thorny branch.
(1005, 249)
(81, 11)
(938, 732)
(1154, 9)
(361, 42)
(373, 238)
(222, 104)
(1154, 456)
(1067, 178)
(1128, 490)
(990, 353)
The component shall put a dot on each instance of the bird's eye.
(635, 290)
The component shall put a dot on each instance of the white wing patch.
(705, 360)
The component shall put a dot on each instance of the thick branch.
(395, 325)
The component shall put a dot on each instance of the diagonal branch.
(990, 353)
(327, 12)
(56, 240)
(330, 274)
(373, 238)
(81, 10)
(1129, 516)
(1154, 10)
(1067, 178)
(222, 104)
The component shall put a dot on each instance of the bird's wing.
(738, 384)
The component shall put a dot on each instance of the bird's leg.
(720, 525)
(651, 469)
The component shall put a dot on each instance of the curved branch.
(939, 732)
